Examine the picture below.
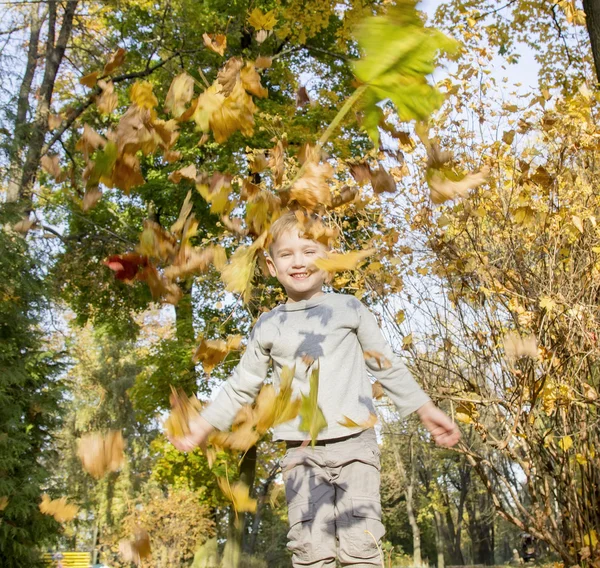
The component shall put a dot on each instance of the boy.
(332, 489)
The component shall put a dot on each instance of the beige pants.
(334, 508)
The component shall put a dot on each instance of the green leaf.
(399, 54)
(312, 419)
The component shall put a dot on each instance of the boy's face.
(291, 262)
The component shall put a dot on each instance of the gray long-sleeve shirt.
(337, 330)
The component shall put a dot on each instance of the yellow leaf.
(472, 22)
(407, 341)
(516, 346)
(312, 189)
(180, 94)
(238, 494)
(263, 62)
(443, 189)
(236, 113)
(251, 81)
(286, 407)
(189, 173)
(215, 42)
(547, 304)
(565, 443)
(137, 549)
(100, 454)
(380, 359)
(3, 502)
(58, 508)
(312, 419)
(90, 80)
(577, 222)
(239, 272)
(591, 538)
(336, 262)
(466, 412)
(265, 408)
(210, 353)
(115, 61)
(183, 408)
(142, 96)
(508, 137)
(581, 459)
(400, 317)
(349, 423)
(261, 21)
(108, 99)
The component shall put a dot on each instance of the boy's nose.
(298, 261)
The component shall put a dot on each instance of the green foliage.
(29, 397)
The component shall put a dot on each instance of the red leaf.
(126, 266)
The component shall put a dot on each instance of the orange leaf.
(215, 42)
(137, 549)
(182, 409)
(101, 454)
(89, 80)
(180, 94)
(369, 423)
(336, 262)
(58, 508)
(115, 61)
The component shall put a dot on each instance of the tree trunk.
(592, 20)
(260, 508)
(439, 539)
(55, 50)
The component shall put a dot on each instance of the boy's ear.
(271, 265)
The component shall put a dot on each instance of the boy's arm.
(399, 384)
(241, 388)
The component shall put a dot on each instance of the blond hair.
(309, 226)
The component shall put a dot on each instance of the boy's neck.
(298, 298)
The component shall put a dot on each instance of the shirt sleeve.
(242, 387)
(387, 367)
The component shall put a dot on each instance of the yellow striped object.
(69, 560)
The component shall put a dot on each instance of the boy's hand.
(200, 430)
(444, 431)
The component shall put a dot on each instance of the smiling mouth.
(300, 275)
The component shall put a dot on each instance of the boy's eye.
(310, 252)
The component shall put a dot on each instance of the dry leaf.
(137, 549)
(382, 361)
(101, 454)
(336, 262)
(215, 42)
(349, 423)
(302, 98)
(115, 61)
(382, 181)
(261, 35)
(180, 94)
(516, 346)
(263, 62)
(107, 101)
(51, 165)
(251, 81)
(443, 189)
(58, 508)
(229, 75)
(210, 353)
(182, 409)
(142, 96)
(90, 198)
(312, 189)
(54, 121)
(24, 225)
(276, 162)
(90, 80)
(361, 173)
(377, 390)
(238, 494)
(189, 173)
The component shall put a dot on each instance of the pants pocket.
(302, 542)
(362, 532)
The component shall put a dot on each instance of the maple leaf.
(108, 99)
(382, 181)
(361, 173)
(276, 162)
(60, 509)
(377, 390)
(242, 438)
(229, 75)
(337, 262)
(382, 361)
(136, 549)
(215, 42)
(251, 81)
(236, 113)
(443, 188)
(312, 419)
(312, 189)
(302, 98)
(51, 165)
(262, 21)
(516, 346)
(90, 198)
(238, 494)
(126, 266)
(210, 352)
(182, 409)
(100, 454)
(189, 172)
(180, 94)
(90, 80)
(349, 423)
(466, 412)
(142, 96)
(115, 61)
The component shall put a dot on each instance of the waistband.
(297, 443)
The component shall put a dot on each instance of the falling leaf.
(101, 454)
(215, 42)
(210, 352)
(239, 272)
(229, 75)
(137, 549)
(189, 173)
(263, 62)
(261, 21)
(60, 509)
(180, 94)
(443, 189)
(312, 189)
(578, 223)
(377, 390)
(581, 459)
(312, 419)
(508, 137)
(516, 346)
(382, 361)
(261, 35)
(90, 198)
(361, 173)
(241, 438)
(141, 95)
(349, 423)
(54, 121)
(126, 266)
(183, 408)
(382, 181)
(407, 341)
(115, 61)
(337, 262)
(24, 225)
(302, 98)
(591, 538)
(286, 407)
(251, 81)
(90, 80)
(276, 162)
(565, 443)
(238, 494)
(108, 99)
(51, 165)
(547, 304)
